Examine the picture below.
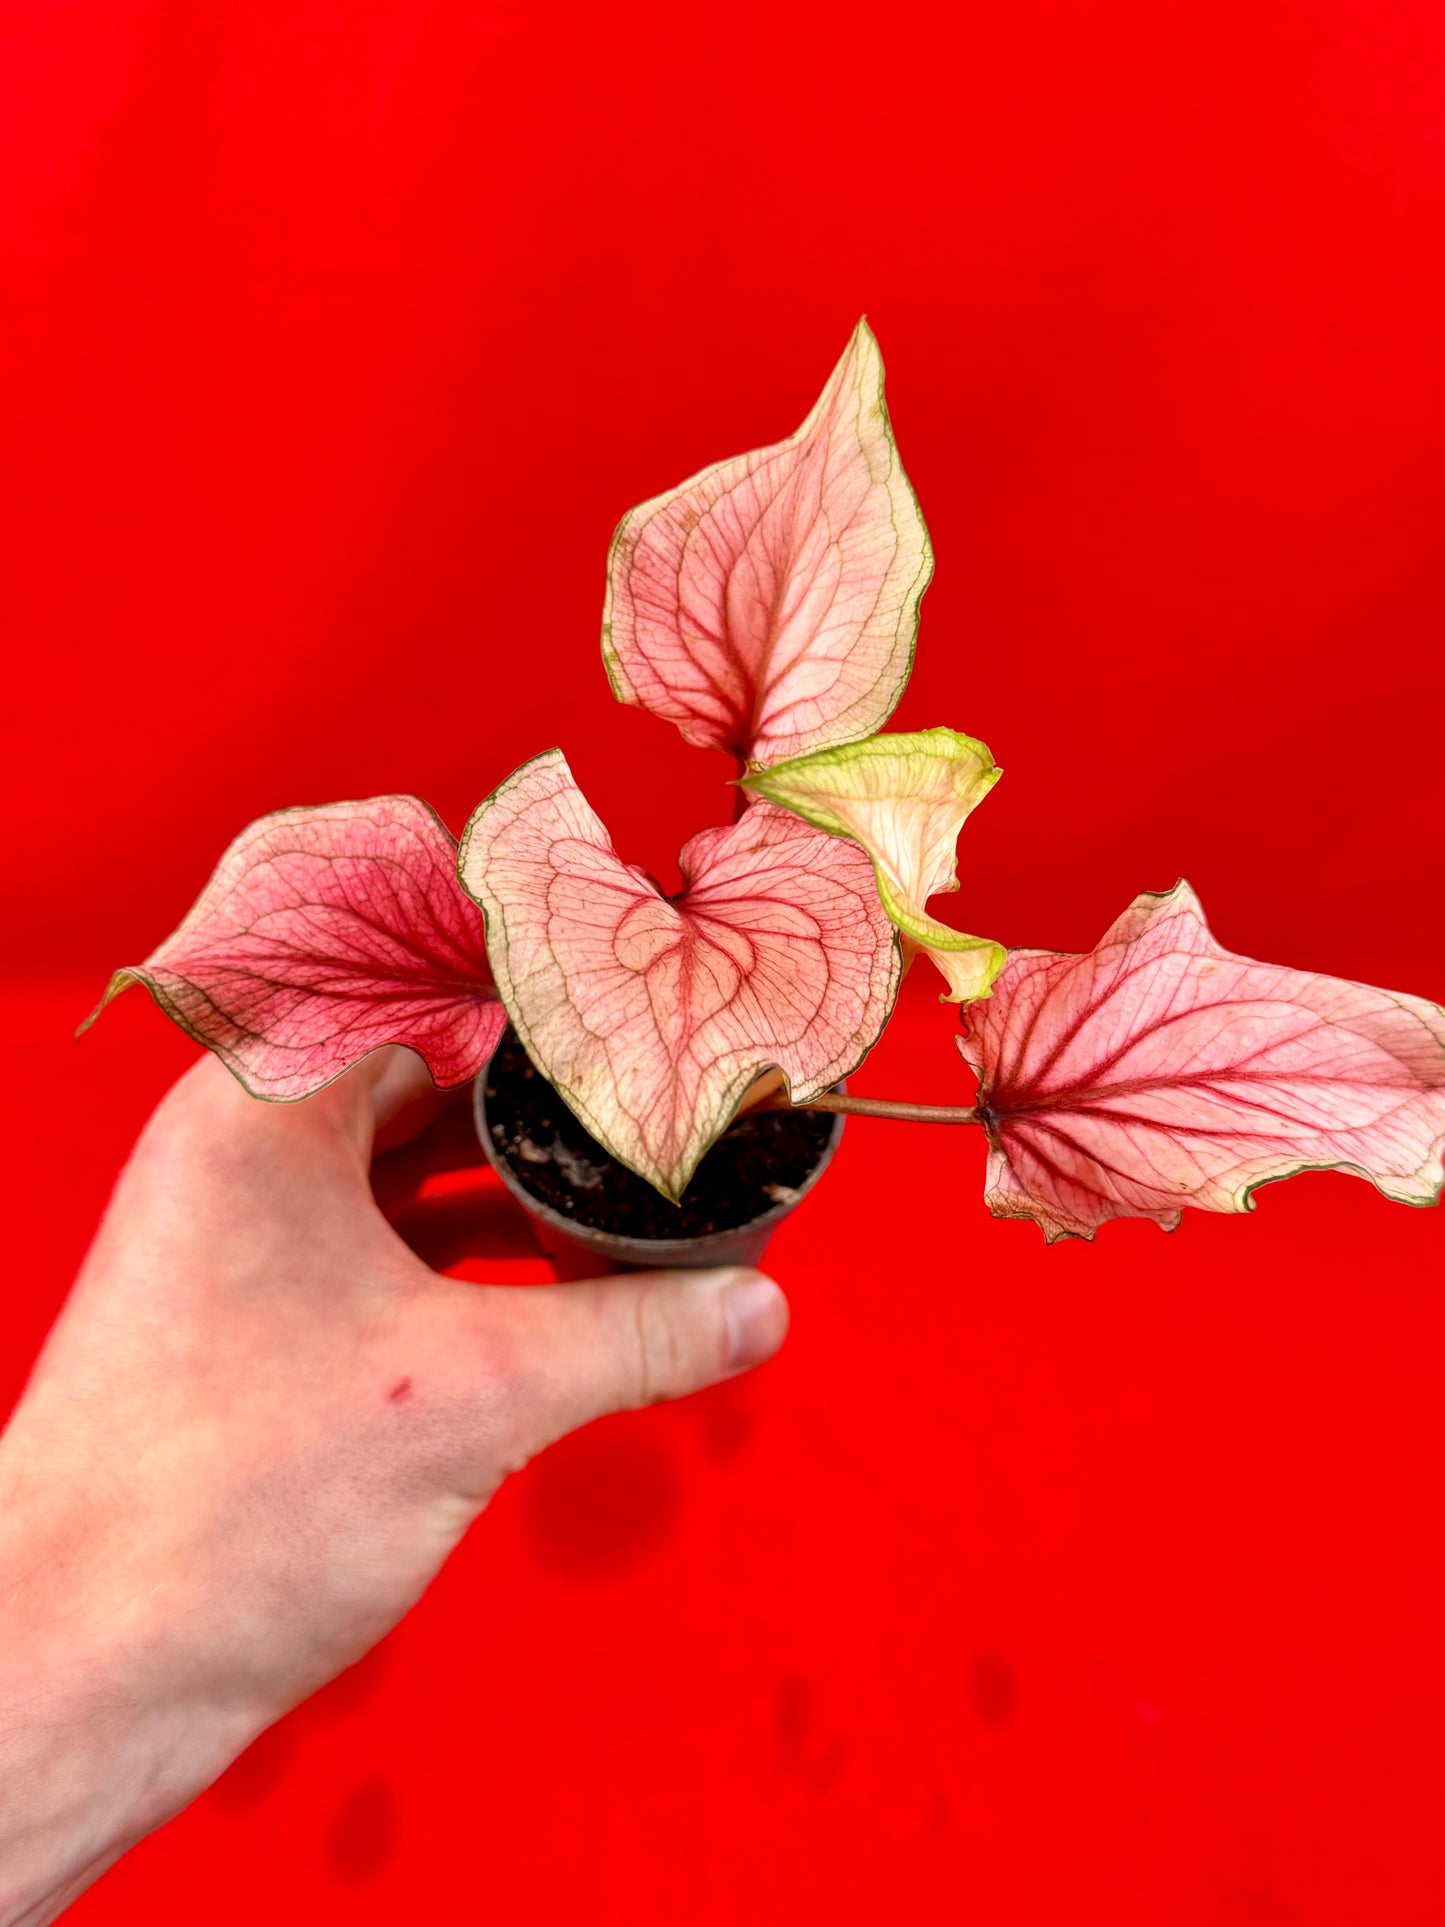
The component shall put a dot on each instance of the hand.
(257, 1430)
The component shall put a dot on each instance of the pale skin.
(258, 1428)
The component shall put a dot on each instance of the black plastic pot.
(578, 1250)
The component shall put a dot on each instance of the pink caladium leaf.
(1160, 1071)
(652, 1015)
(769, 605)
(324, 934)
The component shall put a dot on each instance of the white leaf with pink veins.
(769, 605)
(651, 1016)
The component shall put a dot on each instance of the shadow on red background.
(1086, 1586)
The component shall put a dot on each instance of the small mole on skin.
(399, 1391)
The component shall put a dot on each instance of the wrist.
(105, 1732)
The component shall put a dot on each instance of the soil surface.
(757, 1163)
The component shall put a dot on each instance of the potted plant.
(671, 1080)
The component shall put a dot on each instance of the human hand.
(258, 1428)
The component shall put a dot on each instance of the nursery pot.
(579, 1247)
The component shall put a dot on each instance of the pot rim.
(619, 1244)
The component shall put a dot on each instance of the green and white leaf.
(904, 798)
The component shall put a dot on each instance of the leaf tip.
(121, 980)
(864, 336)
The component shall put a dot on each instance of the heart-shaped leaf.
(769, 605)
(653, 1015)
(1160, 1070)
(324, 934)
(904, 798)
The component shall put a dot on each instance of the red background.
(1096, 1585)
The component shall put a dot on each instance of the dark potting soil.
(756, 1164)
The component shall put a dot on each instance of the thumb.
(609, 1344)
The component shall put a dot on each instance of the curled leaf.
(769, 605)
(904, 798)
(324, 934)
(1160, 1070)
(653, 1015)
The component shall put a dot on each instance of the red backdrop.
(1089, 1586)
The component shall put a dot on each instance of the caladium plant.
(769, 607)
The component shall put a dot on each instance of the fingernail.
(757, 1320)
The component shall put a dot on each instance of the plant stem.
(877, 1107)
